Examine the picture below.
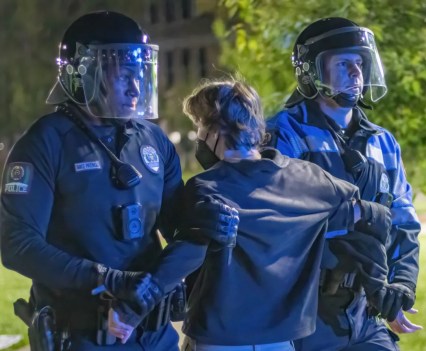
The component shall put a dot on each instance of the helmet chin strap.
(346, 100)
(342, 99)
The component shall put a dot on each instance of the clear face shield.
(120, 80)
(352, 65)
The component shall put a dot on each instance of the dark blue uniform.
(268, 292)
(60, 213)
(303, 131)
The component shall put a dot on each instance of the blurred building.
(189, 52)
(188, 47)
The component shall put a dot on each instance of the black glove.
(127, 313)
(228, 225)
(148, 295)
(217, 220)
(137, 288)
(388, 300)
(376, 220)
(178, 303)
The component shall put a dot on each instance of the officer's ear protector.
(124, 175)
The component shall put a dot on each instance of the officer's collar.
(359, 121)
(363, 121)
(129, 127)
(70, 108)
(313, 115)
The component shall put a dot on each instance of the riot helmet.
(336, 37)
(108, 65)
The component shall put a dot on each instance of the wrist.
(99, 280)
(357, 210)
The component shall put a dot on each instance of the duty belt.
(156, 319)
(159, 316)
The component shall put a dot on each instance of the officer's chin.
(125, 114)
(126, 111)
(351, 97)
(352, 93)
(346, 100)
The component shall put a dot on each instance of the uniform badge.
(384, 183)
(150, 158)
(18, 178)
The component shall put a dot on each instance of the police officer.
(87, 186)
(258, 283)
(337, 65)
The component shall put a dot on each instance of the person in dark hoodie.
(258, 281)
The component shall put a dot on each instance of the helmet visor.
(351, 65)
(120, 80)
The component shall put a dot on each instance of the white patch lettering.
(87, 166)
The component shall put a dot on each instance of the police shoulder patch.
(150, 158)
(384, 183)
(18, 178)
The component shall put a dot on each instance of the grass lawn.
(13, 286)
(417, 341)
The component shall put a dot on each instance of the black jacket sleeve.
(188, 250)
(356, 250)
(196, 233)
(403, 247)
(170, 214)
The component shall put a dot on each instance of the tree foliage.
(257, 39)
